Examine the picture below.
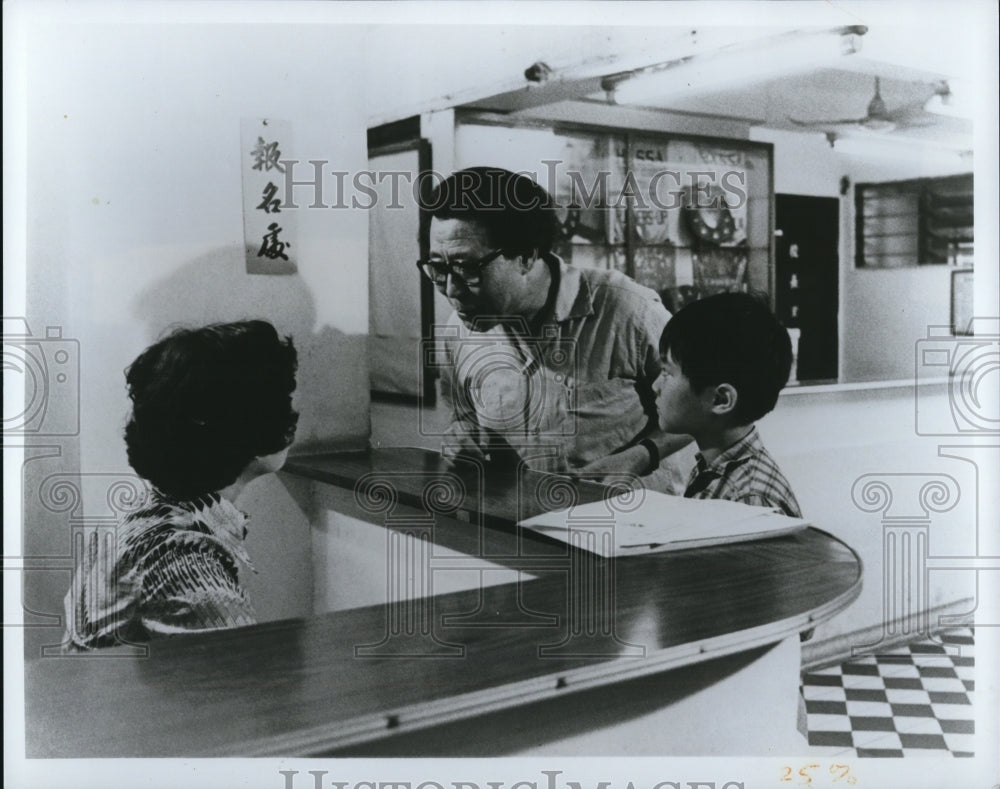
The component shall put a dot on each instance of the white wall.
(135, 225)
(826, 440)
(882, 312)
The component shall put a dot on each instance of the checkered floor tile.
(915, 700)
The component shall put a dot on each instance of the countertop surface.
(573, 620)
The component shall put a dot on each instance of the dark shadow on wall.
(332, 398)
(332, 394)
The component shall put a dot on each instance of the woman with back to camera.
(211, 411)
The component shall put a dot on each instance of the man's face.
(499, 290)
(679, 407)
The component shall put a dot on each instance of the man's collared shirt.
(577, 388)
(744, 472)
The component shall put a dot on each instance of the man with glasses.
(542, 363)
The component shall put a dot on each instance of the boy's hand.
(634, 460)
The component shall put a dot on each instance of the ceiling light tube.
(786, 54)
(895, 149)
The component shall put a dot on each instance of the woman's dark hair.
(732, 338)
(205, 402)
(517, 214)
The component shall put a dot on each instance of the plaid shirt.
(745, 472)
(168, 567)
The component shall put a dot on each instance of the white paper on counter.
(649, 521)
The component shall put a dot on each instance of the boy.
(725, 358)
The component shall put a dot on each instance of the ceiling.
(832, 101)
(909, 65)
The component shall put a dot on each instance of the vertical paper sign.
(269, 230)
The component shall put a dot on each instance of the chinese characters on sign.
(266, 156)
(269, 203)
(269, 233)
(272, 248)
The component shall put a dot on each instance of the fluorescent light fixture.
(951, 99)
(897, 148)
(788, 53)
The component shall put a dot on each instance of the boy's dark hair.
(732, 338)
(205, 402)
(517, 214)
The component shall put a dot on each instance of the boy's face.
(680, 408)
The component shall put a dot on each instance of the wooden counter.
(348, 681)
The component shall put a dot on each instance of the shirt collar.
(734, 454)
(574, 298)
(221, 515)
(228, 524)
(225, 522)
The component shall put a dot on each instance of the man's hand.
(459, 443)
(668, 443)
(633, 461)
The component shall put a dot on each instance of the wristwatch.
(654, 455)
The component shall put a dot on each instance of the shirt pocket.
(502, 400)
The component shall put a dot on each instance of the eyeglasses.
(437, 268)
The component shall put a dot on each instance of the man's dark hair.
(205, 402)
(732, 338)
(517, 214)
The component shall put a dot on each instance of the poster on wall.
(269, 233)
(687, 206)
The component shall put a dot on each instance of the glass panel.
(696, 214)
(592, 255)
(617, 199)
(759, 271)
(654, 226)
(690, 194)
(617, 259)
(654, 267)
(581, 174)
(720, 270)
